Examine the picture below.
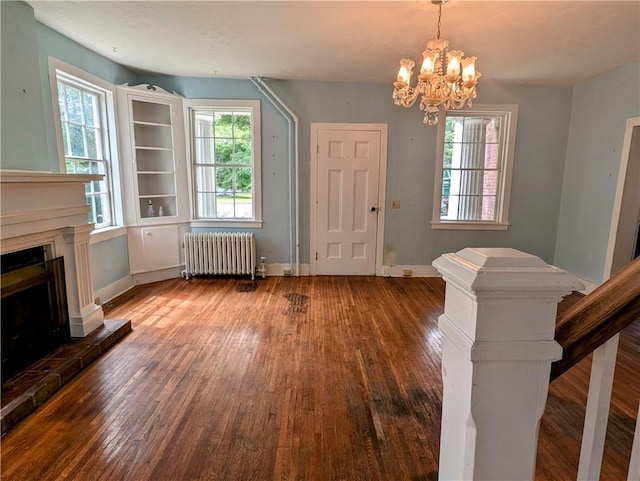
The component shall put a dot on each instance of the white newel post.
(84, 314)
(498, 345)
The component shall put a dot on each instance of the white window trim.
(108, 89)
(254, 105)
(510, 135)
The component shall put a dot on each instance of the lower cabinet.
(154, 248)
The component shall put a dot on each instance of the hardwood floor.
(325, 378)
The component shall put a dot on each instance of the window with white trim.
(225, 160)
(86, 138)
(474, 165)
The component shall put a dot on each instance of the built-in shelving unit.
(155, 177)
(155, 164)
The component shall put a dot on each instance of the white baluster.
(596, 416)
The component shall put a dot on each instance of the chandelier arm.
(405, 97)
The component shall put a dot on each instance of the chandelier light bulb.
(429, 62)
(469, 69)
(404, 75)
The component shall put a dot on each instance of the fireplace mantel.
(45, 208)
(32, 202)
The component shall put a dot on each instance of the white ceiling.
(552, 42)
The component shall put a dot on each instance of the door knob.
(375, 209)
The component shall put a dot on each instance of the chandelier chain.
(439, 18)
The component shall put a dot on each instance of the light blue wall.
(23, 122)
(596, 119)
(110, 259)
(601, 107)
(540, 151)
(52, 44)
(106, 263)
(409, 240)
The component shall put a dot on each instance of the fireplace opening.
(33, 303)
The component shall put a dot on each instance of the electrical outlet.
(407, 272)
(395, 204)
(286, 272)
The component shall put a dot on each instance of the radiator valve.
(262, 270)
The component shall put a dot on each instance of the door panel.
(348, 171)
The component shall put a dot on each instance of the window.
(225, 159)
(85, 114)
(473, 175)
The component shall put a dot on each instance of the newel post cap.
(490, 269)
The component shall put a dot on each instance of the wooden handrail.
(598, 317)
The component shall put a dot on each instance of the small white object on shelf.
(150, 211)
(160, 212)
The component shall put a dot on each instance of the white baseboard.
(155, 276)
(114, 289)
(416, 271)
(279, 269)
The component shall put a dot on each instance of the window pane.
(204, 151)
(205, 179)
(90, 104)
(490, 182)
(242, 125)
(488, 208)
(74, 105)
(243, 154)
(206, 205)
(203, 124)
(82, 167)
(244, 180)
(223, 151)
(61, 102)
(224, 180)
(244, 206)
(444, 207)
(223, 124)
(92, 147)
(103, 209)
(92, 211)
(77, 141)
(224, 206)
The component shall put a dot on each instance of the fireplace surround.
(33, 302)
(50, 209)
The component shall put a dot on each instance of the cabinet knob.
(148, 233)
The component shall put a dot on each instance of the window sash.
(211, 198)
(473, 174)
(93, 141)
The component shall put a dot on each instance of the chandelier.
(446, 79)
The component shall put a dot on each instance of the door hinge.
(316, 256)
(317, 148)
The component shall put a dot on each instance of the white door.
(348, 175)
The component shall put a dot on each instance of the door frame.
(313, 195)
(617, 203)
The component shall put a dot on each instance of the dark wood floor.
(314, 379)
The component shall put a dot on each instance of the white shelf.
(152, 124)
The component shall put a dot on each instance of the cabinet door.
(153, 248)
(161, 246)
